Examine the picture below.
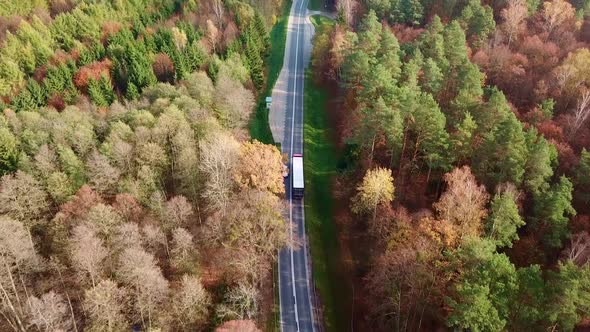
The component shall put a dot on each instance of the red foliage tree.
(92, 71)
(163, 68)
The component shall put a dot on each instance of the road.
(286, 119)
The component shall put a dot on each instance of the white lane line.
(291, 158)
(305, 248)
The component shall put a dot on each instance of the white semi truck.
(297, 176)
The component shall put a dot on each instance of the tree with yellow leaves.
(376, 189)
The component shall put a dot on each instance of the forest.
(463, 137)
(131, 193)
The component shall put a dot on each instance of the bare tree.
(213, 35)
(555, 13)
(88, 253)
(241, 302)
(177, 212)
(579, 249)
(104, 305)
(218, 9)
(346, 9)
(138, 269)
(104, 218)
(126, 236)
(219, 154)
(513, 15)
(234, 103)
(102, 176)
(17, 259)
(464, 201)
(50, 313)
(23, 198)
(190, 305)
(182, 248)
(581, 113)
(153, 238)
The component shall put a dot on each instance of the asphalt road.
(294, 276)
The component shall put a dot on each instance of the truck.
(297, 176)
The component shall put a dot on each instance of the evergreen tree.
(553, 207)
(412, 11)
(388, 54)
(255, 63)
(568, 298)
(503, 155)
(478, 20)
(260, 28)
(96, 94)
(132, 92)
(8, 150)
(461, 139)
(504, 220)
(454, 43)
(527, 310)
(432, 77)
(582, 177)
(484, 289)
(542, 155)
(106, 88)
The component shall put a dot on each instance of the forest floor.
(329, 269)
(259, 127)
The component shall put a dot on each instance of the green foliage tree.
(552, 209)
(504, 220)
(484, 289)
(542, 155)
(412, 11)
(503, 155)
(478, 20)
(582, 176)
(527, 309)
(8, 151)
(568, 297)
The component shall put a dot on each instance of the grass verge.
(320, 168)
(259, 127)
(316, 4)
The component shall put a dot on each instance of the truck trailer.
(297, 176)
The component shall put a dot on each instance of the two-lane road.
(287, 123)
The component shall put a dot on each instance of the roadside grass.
(316, 4)
(259, 127)
(319, 168)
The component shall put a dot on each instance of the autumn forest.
(139, 188)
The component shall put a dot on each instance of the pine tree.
(582, 176)
(503, 155)
(262, 33)
(95, 93)
(553, 207)
(504, 219)
(8, 150)
(412, 11)
(106, 88)
(542, 155)
(132, 93)
(388, 54)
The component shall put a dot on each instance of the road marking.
(299, 15)
(291, 158)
